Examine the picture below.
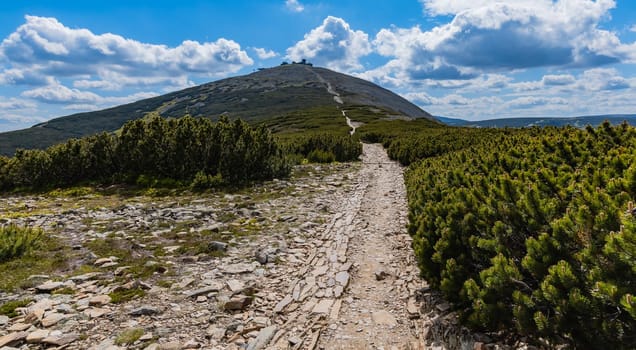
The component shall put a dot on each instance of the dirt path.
(375, 315)
(358, 285)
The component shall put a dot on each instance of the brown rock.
(52, 319)
(99, 300)
(12, 338)
(238, 302)
(37, 336)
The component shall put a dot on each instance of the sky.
(469, 59)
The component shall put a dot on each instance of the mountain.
(268, 93)
(578, 122)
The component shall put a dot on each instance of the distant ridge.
(255, 97)
(579, 122)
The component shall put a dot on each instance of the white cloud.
(264, 53)
(15, 104)
(600, 79)
(532, 101)
(633, 28)
(503, 36)
(43, 47)
(333, 44)
(562, 79)
(294, 5)
(57, 93)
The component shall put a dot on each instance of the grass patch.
(129, 336)
(50, 257)
(122, 296)
(8, 308)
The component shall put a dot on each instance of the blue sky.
(471, 59)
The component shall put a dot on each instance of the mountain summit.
(256, 97)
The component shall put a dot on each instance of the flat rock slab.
(60, 340)
(323, 306)
(99, 300)
(52, 319)
(37, 336)
(342, 278)
(205, 290)
(49, 286)
(236, 269)
(12, 338)
(263, 338)
(283, 303)
(235, 286)
(383, 317)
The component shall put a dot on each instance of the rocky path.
(376, 313)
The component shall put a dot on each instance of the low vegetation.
(149, 152)
(529, 231)
(16, 241)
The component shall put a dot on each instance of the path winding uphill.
(357, 290)
(375, 314)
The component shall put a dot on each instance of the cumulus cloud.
(558, 80)
(57, 93)
(264, 53)
(603, 79)
(502, 36)
(294, 5)
(44, 47)
(333, 44)
(633, 28)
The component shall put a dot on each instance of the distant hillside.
(578, 122)
(278, 92)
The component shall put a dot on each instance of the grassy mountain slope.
(284, 92)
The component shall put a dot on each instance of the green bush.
(152, 152)
(203, 181)
(532, 232)
(15, 241)
(320, 156)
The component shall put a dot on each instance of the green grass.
(129, 336)
(9, 308)
(122, 296)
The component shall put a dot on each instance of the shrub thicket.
(152, 151)
(534, 231)
(324, 148)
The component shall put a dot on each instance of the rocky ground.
(319, 261)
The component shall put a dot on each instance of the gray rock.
(342, 278)
(145, 311)
(283, 303)
(216, 246)
(205, 290)
(3, 320)
(49, 286)
(263, 338)
(60, 340)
